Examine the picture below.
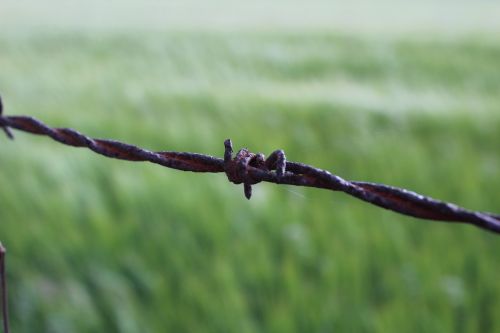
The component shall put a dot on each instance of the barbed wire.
(248, 168)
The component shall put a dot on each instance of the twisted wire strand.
(250, 169)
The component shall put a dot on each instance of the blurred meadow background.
(403, 93)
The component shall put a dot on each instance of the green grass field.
(100, 245)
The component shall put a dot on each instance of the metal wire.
(3, 291)
(248, 169)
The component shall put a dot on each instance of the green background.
(402, 94)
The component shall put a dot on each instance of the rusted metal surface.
(249, 169)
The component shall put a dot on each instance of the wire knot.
(237, 168)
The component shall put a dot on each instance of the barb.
(5, 128)
(249, 169)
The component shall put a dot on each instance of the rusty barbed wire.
(249, 169)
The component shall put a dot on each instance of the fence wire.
(248, 168)
(3, 290)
